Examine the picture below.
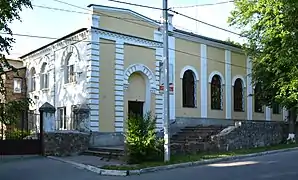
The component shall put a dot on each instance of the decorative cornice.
(61, 44)
(127, 38)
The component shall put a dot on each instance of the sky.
(45, 22)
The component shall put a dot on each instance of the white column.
(119, 88)
(228, 84)
(268, 113)
(249, 89)
(204, 82)
(158, 95)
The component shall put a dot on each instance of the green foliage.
(233, 43)
(16, 134)
(271, 28)
(141, 142)
(10, 112)
(9, 12)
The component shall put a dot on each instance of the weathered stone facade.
(9, 83)
(249, 135)
(65, 143)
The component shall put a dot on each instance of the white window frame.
(44, 81)
(17, 85)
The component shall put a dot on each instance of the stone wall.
(65, 143)
(249, 135)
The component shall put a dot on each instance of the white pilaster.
(204, 82)
(172, 76)
(93, 79)
(158, 95)
(119, 88)
(285, 114)
(249, 88)
(268, 113)
(228, 85)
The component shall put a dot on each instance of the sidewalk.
(89, 160)
(12, 158)
(94, 164)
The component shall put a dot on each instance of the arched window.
(44, 80)
(216, 93)
(238, 95)
(32, 79)
(69, 69)
(258, 104)
(188, 89)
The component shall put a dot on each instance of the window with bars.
(238, 95)
(276, 108)
(258, 104)
(62, 123)
(216, 93)
(188, 89)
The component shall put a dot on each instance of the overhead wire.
(186, 16)
(130, 20)
(98, 43)
(59, 9)
(202, 5)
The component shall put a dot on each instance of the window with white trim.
(188, 89)
(69, 69)
(238, 95)
(44, 80)
(17, 85)
(32, 79)
(216, 93)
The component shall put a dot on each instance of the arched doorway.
(136, 95)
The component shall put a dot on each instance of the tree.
(271, 29)
(10, 10)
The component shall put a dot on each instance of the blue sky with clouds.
(56, 23)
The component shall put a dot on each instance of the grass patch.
(199, 157)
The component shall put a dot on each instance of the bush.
(16, 134)
(142, 144)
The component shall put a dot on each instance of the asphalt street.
(282, 166)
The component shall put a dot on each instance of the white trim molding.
(189, 68)
(172, 60)
(203, 81)
(228, 87)
(119, 88)
(158, 96)
(249, 89)
(239, 77)
(92, 74)
(143, 69)
(216, 73)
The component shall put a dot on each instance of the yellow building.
(122, 52)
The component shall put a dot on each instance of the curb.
(107, 172)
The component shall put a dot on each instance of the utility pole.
(166, 82)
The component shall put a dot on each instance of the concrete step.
(106, 152)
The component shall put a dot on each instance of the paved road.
(271, 167)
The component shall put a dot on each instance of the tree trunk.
(292, 122)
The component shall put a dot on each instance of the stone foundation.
(101, 139)
(65, 143)
(249, 135)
